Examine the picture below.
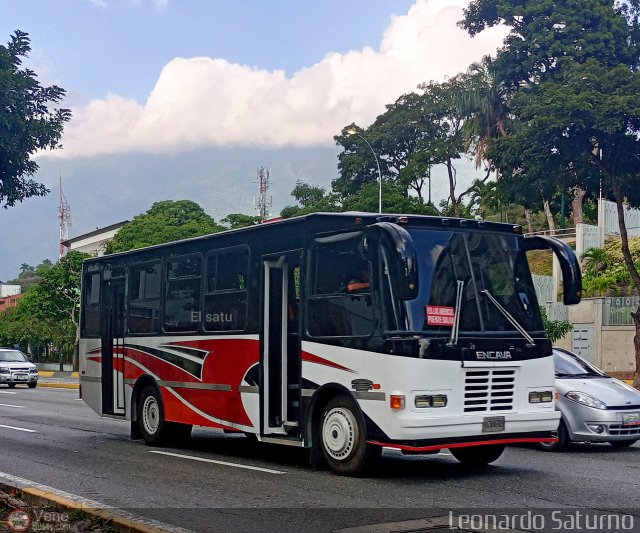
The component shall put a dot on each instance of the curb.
(51, 385)
(53, 374)
(122, 521)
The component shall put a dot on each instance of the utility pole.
(263, 202)
(64, 218)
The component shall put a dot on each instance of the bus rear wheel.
(478, 455)
(343, 439)
(155, 430)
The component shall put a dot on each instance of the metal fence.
(617, 311)
(544, 288)
(558, 311)
(608, 219)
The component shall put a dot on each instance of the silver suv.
(15, 368)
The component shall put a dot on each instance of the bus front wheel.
(478, 455)
(155, 430)
(343, 440)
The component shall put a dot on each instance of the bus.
(342, 333)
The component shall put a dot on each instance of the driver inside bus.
(359, 283)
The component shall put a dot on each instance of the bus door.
(113, 344)
(280, 336)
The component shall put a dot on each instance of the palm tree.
(596, 260)
(485, 104)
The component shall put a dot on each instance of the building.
(94, 242)
(9, 296)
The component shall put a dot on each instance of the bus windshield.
(478, 265)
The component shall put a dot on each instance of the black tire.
(33, 385)
(623, 443)
(155, 430)
(12, 385)
(563, 440)
(341, 436)
(478, 455)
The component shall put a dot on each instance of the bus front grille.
(489, 390)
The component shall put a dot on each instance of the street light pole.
(353, 131)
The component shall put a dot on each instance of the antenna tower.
(64, 217)
(263, 202)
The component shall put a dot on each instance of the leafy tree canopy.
(29, 121)
(239, 220)
(164, 222)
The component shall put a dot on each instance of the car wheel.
(12, 385)
(563, 440)
(342, 438)
(622, 443)
(478, 455)
(32, 385)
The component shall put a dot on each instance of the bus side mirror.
(569, 265)
(398, 242)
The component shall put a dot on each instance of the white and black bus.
(343, 333)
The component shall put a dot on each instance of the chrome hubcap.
(339, 433)
(150, 415)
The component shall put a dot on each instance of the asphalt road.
(238, 485)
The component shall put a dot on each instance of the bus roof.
(327, 222)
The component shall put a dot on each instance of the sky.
(176, 99)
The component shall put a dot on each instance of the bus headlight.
(543, 396)
(431, 400)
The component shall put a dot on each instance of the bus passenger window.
(340, 303)
(91, 310)
(144, 298)
(182, 296)
(225, 299)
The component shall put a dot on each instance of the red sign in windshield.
(439, 316)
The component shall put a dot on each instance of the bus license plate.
(631, 419)
(492, 424)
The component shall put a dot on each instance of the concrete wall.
(608, 347)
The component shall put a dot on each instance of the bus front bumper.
(476, 427)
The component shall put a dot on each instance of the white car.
(595, 407)
(16, 368)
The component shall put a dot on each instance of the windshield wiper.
(455, 329)
(510, 318)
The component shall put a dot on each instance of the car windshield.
(477, 264)
(569, 366)
(12, 356)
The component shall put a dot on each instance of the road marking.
(9, 405)
(19, 429)
(224, 463)
(6, 392)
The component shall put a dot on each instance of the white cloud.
(204, 101)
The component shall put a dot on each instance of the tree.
(555, 329)
(239, 220)
(29, 275)
(49, 310)
(164, 222)
(311, 199)
(573, 71)
(29, 121)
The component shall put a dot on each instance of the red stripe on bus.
(433, 447)
(310, 358)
